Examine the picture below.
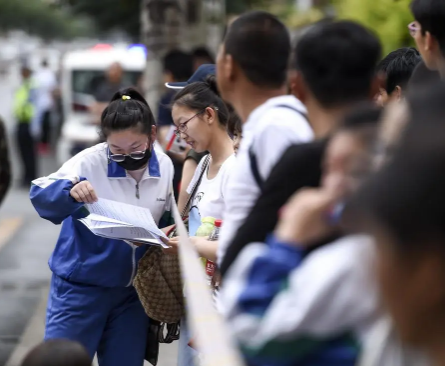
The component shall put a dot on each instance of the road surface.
(26, 242)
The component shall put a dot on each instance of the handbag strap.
(195, 187)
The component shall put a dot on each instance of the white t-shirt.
(46, 83)
(209, 199)
(270, 129)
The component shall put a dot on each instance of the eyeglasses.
(119, 158)
(182, 127)
(413, 28)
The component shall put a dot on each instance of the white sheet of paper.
(134, 215)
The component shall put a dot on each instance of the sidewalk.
(33, 335)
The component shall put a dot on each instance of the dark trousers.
(46, 127)
(26, 145)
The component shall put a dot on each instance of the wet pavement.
(26, 242)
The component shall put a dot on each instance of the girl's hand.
(173, 244)
(84, 192)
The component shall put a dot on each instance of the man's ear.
(397, 94)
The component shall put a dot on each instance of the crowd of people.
(324, 162)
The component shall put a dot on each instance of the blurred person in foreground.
(251, 73)
(320, 316)
(348, 77)
(397, 69)
(46, 84)
(27, 126)
(403, 207)
(178, 66)
(422, 77)
(5, 166)
(428, 31)
(57, 352)
(301, 299)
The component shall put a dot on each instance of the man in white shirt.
(251, 73)
(46, 83)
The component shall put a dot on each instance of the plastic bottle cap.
(218, 223)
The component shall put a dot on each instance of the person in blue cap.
(192, 158)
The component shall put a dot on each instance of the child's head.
(58, 352)
(397, 68)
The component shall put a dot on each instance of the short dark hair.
(431, 16)
(337, 61)
(401, 67)
(58, 352)
(203, 52)
(260, 44)
(127, 109)
(200, 95)
(179, 64)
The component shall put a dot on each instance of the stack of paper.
(116, 220)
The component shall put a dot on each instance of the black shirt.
(299, 167)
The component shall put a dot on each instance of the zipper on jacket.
(137, 191)
(133, 264)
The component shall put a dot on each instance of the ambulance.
(81, 72)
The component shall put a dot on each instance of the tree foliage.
(388, 18)
(37, 18)
(109, 15)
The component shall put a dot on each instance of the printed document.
(121, 221)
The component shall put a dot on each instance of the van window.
(86, 81)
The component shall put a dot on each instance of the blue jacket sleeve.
(53, 202)
(268, 275)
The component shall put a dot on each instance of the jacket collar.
(116, 171)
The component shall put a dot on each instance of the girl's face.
(128, 141)
(195, 127)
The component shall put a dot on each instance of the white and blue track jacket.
(80, 256)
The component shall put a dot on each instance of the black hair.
(431, 16)
(234, 126)
(365, 114)
(401, 67)
(260, 44)
(202, 94)
(179, 64)
(407, 195)
(422, 77)
(58, 352)
(127, 109)
(203, 52)
(337, 60)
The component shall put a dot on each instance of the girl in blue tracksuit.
(92, 299)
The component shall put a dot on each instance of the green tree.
(388, 18)
(37, 18)
(110, 15)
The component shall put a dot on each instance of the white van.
(81, 71)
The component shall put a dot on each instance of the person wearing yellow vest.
(24, 111)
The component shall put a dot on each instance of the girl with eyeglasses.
(202, 120)
(92, 299)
